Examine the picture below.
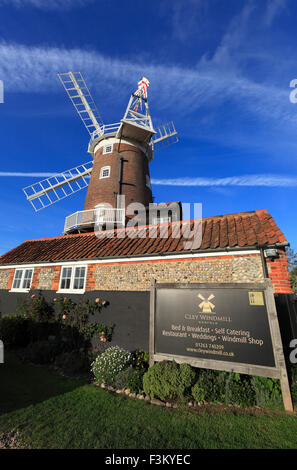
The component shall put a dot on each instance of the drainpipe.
(121, 176)
(264, 265)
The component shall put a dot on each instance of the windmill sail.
(165, 135)
(57, 187)
(82, 100)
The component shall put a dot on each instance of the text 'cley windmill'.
(118, 175)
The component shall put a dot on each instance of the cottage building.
(119, 267)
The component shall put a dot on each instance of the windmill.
(206, 304)
(120, 152)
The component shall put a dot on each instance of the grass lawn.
(50, 411)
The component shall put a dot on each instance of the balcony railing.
(100, 216)
(104, 130)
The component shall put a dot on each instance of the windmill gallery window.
(22, 280)
(105, 172)
(73, 279)
(107, 149)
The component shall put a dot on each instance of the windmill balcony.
(84, 221)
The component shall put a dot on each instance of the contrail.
(32, 175)
(245, 180)
(24, 175)
(272, 181)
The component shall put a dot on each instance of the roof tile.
(245, 229)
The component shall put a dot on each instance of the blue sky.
(221, 69)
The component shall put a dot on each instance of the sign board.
(231, 327)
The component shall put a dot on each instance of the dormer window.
(105, 172)
(107, 148)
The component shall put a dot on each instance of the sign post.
(230, 327)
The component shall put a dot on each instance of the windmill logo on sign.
(206, 305)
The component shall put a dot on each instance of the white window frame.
(71, 289)
(108, 148)
(102, 170)
(22, 279)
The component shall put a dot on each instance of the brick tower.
(120, 168)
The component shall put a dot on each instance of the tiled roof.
(241, 230)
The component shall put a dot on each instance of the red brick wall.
(35, 280)
(90, 282)
(278, 272)
(10, 280)
(135, 169)
(56, 279)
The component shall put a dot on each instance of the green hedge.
(168, 380)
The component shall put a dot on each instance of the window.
(73, 279)
(22, 279)
(107, 148)
(105, 172)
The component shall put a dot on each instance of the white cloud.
(245, 180)
(274, 7)
(186, 17)
(46, 4)
(34, 69)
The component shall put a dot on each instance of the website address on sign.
(210, 351)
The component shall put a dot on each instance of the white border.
(133, 260)
(114, 140)
(101, 177)
(22, 289)
(71, 290)
(104, 149)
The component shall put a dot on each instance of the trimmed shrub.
(167, 379)
(106, 366)
(135, 381)
(123, 377)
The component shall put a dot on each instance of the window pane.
(66, 278)
(17, 279)
(27, 278)
(65, 283)
(79, 278)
